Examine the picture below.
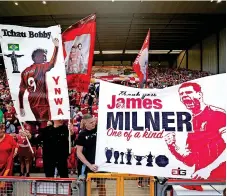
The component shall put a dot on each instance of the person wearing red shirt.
(8, 150)
(24, 152)
(95, 109)
(10, 114)
(205, 149)
(78, 98)
(84, 108)
(33, 79)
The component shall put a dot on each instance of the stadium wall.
(222, 51)
(208, 55)
(181, 60)
(194, 57)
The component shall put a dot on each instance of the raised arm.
(54, 56)
(186, 157)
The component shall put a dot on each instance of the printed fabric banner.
(140, 65)
(79, 43)
(35, 69)
(176, 132)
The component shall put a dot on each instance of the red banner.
(78, 43)
(140, 65)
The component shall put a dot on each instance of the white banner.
(173, 132)
(35, 69)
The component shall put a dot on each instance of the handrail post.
(35, 188)
(88, 186)
(151, 186)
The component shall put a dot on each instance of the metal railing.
(23, 186)
(112, 184)
(189, 182)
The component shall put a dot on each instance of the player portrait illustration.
(78, 51)
(33, 79)
(206, 144)
(14, 57)
(76, 62)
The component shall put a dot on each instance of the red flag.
(140, 65)
(78, 44)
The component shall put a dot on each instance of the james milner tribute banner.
(35, 69)
(176, 132)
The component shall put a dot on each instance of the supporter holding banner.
(176, 132)
(140, 65)
(79, 43)
(34, 64)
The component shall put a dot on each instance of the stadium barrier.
(173, 182)
(111, 184)
(23, 186)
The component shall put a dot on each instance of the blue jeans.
(83, 170)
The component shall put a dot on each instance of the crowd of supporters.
(80, 105)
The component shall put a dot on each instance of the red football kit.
(9, 116)
(84, 108)
(6, 146)
(33, 79)
(78, 98)
(206, 144)
(95, 111)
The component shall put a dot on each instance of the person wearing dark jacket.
(55, 148)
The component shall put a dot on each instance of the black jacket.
(55, 141)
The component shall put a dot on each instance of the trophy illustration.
(122, 157)
(116, 156)
(128, 156)
(150, 159)
(109, 153)
(139, 159)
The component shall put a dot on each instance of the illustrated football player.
(14, 57)
(205, 146)
(33, 79)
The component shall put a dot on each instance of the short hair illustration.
(196, 87)
(37, 52)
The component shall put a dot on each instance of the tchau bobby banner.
(35, 70)
(79, 43)
(140, 65)
(176, 132)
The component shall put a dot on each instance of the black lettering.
(134, 122)
(4, 32)
(31, 34)
(115, 122)
(155, 122)
(186, 121)
(127, 121)
(166, 121)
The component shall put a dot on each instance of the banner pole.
(69, 127)
(29, 144)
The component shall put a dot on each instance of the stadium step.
(214, 190)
